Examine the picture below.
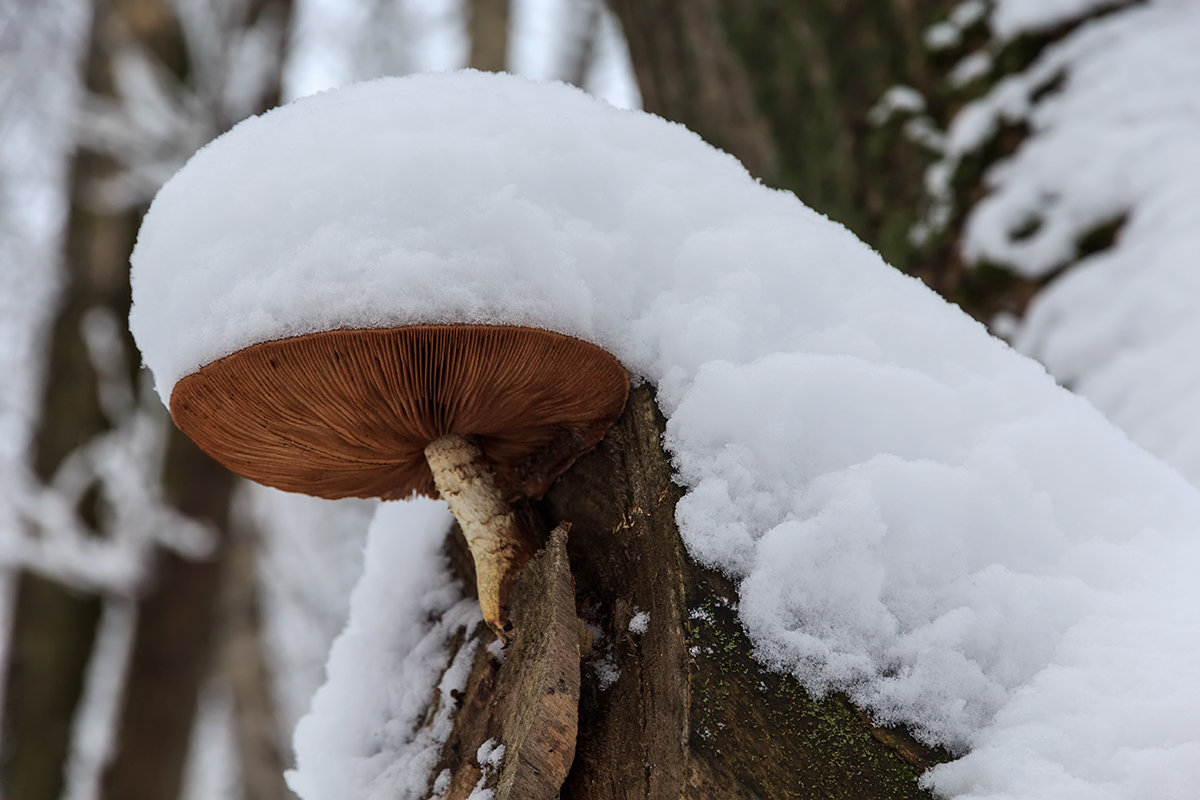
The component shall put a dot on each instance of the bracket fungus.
(479, 415)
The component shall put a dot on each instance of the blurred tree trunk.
(54, 624)
(488, 30)
(688, 71)
(245, 670)
(52, 635)
(786, 86)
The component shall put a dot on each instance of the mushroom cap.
(348, 413)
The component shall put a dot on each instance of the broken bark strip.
(541, 709)
(528, 703)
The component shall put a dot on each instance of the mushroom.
(480, 415)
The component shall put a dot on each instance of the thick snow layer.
(361, 740)
(915, 514)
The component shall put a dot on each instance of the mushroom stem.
(498, 542)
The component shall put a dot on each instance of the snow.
(361, 738)
(942, 36)
(39, 61)
(914, 514)
(972, 68)
(1117, 139)
(948, 33)
(639, 623)
(310, 557)
(488, 757)
(605, 669)
(1012, 18)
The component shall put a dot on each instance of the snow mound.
(361, 739)
(915, 514)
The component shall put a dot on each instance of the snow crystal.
(361, 739)
(914, 514)
(488, 757)
(606, 670)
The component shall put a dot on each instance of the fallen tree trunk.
(671, 701)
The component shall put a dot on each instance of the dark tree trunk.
(488, 30)
(688, 71)
(51, 641)
(245, 670)
(690, 713)
(786, 87)
(172, 643)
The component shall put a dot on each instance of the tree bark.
(675, 705)
(529, 701)
(488, 30)
(53, 632)
(688, 71)
(795, 81)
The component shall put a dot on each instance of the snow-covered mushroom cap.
(459, 198)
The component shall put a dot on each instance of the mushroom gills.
(499, 544)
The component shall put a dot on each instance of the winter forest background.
(1033, 161)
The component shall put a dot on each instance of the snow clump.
(361, 739)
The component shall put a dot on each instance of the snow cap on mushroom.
(333, 386)
(465, 197)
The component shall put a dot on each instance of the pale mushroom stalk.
(499, 544)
